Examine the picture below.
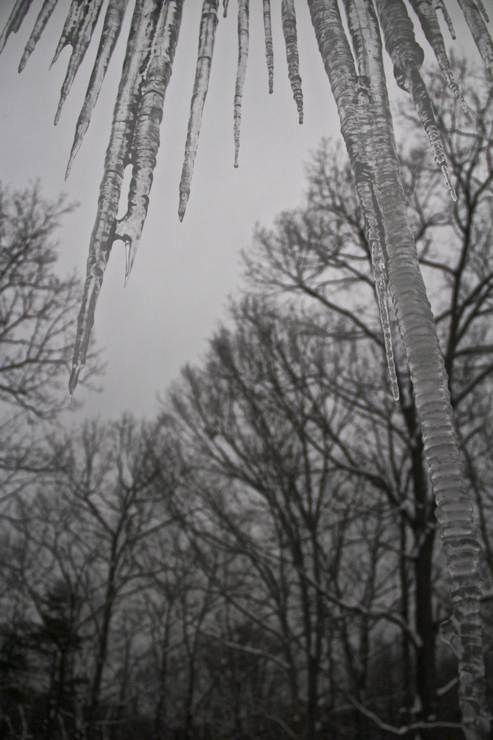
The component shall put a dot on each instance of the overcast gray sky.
(183, 273)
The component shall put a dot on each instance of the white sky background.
(183, 273)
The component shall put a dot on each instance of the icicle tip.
(74, 377)
(183, 204)
(448, 180)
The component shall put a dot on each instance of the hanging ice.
(145, 143)
(77, 33)
(407, 57)
(15, 19)
(365, 188)
(415, 320)
(208, 25)
(479, 31)
(425, 10)
(243, 39)
(440, 5)
(269, 47)
(147, 17)
(113, 20)
(363, 168)
(41, 21)
(225, 8)
(291, 38)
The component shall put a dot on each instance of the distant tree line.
(260, 561)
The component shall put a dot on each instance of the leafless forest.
(261, 559)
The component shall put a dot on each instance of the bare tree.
(37, 321)
(322, 254)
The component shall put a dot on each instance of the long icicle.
(113, 20)
(117, 157)
(243, 41)
(269, 46)
(425, 10)
(291, 39)
(407, 57)
(479, 31)
(418, 331)
(440, 5)
(365, 186)
(41, 21)
(146, 137)
(207, 34)
(13, 24)
(79, 39)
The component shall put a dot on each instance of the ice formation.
(407, 56)
(16, 17)
(76, 33)
(113, 20)
(476, 22)
(291, 38)
(207, 34)
(243, 40)
(41, 21)
(359, 87)
(269, 48)
(426, 12)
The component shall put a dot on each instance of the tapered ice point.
(225, 8)
(291, 39)
(184, 195)
(112, 24)
(440, 5)
(74, 377)
(129, 261)
(365, 188)
(427, 15)
(13, 24)
(208, 23)
(41, 21)
(448, 180)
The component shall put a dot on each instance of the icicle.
(13, 24)
(373, 221)
(77, 33)
(208, 25)
(407, 57)
(291, 39)
(41, 21)
(269, 47)
(440, 5)
(426, 13)
(118, 155)
(479, 31)
(243, 39)
(146, 137)
(424, 107)
(418, 331)
(109, 36)
(225, 8)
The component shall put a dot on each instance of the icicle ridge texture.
(243, 41)
(291, 39)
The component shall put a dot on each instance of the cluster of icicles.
(138, 110)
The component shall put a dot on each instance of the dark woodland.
(260, 561)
